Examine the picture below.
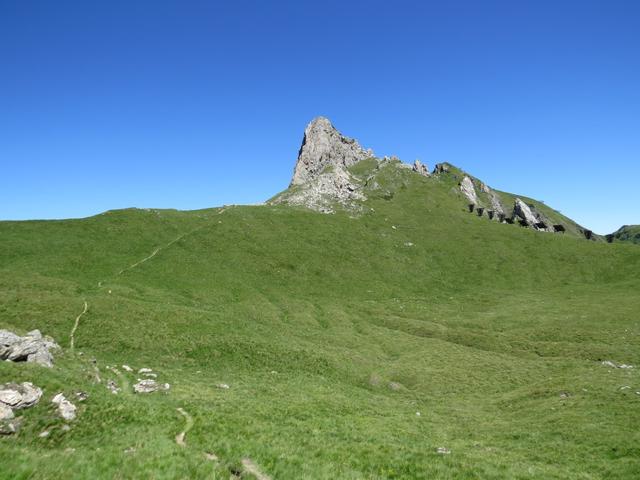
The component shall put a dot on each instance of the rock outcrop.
(323, 146)
(468, 190)
(522, 210)
(33, 347)
(321, 179)
(420, 168)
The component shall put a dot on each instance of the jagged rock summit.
(320, 178)
(323, 146)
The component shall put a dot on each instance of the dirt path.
(180, 438)
(75, 326)
(251, 468)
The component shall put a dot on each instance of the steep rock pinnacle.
(324, 146)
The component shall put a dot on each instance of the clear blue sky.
(192, 104)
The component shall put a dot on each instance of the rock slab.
(33, 347)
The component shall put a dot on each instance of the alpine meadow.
(376, 320)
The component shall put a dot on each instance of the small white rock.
(145, 370)
(224, 386)
(66, 409)
(127, 368)
(443, 451)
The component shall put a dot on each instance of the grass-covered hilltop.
(373, 321)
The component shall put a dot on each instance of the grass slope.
(478, 326)
(627, 233)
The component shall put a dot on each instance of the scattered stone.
(395, 386)
(146, 386)
(151, 375)
(81, 396)
(66, 409)
(127, 368)
(212, 457)
(625, 387)
(112, 386)
(69, 450)
(443, 451)
(408, 244)
(17, 396)
(65, 428)
(44, 434)
(564, 395)
(609, 363)
(224, 386)
(33, 347)
(129, 450)
(418, 414)
(145, 370)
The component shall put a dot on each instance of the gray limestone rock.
(33, 347)
(321, 179)
(441, 168)
(66, 409)
(323, 146)
(421, 168)
(523, 211)
(17, 396)
(6, 413)
(468, 190)
(145, 386)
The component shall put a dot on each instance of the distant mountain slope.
(334, 171)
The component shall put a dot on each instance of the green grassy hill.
(354, 346)
(626, 233)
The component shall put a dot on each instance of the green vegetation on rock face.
(354, 346)
(626, 233)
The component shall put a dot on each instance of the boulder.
(33, 347)
(18, 396)
(146, 386)
(66, 409)
(522, 210)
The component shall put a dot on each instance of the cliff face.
(321, 180)
(323, 146)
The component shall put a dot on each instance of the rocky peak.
(324, 146)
